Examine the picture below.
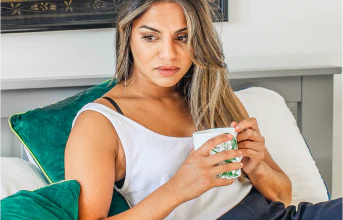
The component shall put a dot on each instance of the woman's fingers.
(221, 156)
(226, 167)
(233, 124)
(251, 145)
(251, 135)
(248, 123)
(222, 182)
(211, 143)
(255, 155)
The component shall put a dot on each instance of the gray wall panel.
(288, 87)
(15, 101)
(317, 121)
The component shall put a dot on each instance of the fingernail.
(237, 128)
(229, 136)
(241, 164)
(240, 152)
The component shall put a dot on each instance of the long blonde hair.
(206, 85)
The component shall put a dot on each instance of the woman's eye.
(182, 38)
(148, 38)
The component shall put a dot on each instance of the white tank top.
(152, 159)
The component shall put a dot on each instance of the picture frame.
(52, 15)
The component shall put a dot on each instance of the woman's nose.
(167, 50)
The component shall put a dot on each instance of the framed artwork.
(52, 15)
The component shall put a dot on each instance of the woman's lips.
(167, 72)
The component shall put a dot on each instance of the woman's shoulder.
(87, 122)
(105, 102)
(91, 124)
(115, 95)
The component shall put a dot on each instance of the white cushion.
(285, 142)
(30, 158)
(18, 174)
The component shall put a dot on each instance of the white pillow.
(30, 158)
(18, 174)
(285, 142)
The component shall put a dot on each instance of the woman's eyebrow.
(153, 29)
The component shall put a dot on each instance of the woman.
(171, 81)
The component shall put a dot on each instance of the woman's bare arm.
(90, 159)
(157, 205)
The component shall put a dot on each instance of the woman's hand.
(198, 172)
(251, 143)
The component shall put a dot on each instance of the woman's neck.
(142, 88)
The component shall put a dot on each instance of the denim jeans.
(256, 206)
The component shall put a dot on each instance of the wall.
(59, 53)
(263, 33)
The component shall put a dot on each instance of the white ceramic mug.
(200, 137)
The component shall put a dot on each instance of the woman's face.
(159, 45)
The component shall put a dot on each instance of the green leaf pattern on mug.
(230, 145)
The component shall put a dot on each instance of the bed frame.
(308, 92)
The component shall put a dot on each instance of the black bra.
(119, 183)
(114, 104)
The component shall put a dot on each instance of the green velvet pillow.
(44, 133)
(54, 201)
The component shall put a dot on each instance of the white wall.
(58, 53)
(260, 34)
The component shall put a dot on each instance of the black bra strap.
(114, 104)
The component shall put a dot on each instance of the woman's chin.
(166, 83)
